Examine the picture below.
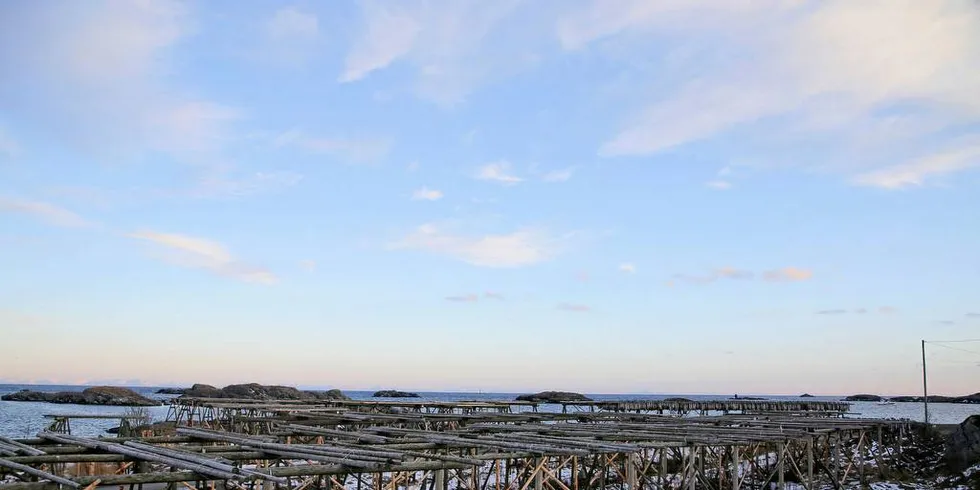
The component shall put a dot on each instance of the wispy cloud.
(447, 48)
(118, 57)
(805, 73)
(720, 185)
(43, 211)
(219, 184)
(627, 267)
(946, 322)
(493, 295)
(778, 275)
(832, 312)
(426, 194)
(973, 315)
(200, 253)
(308, 265)
(884, 310)
(558, 175)
(576, 307)
(788, 274)
(497, 172)
(291, 36)
(518, 249)
(919, 172)
(346, 149)
(466, 298)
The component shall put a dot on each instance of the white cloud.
(627, 267)
(412, 167)
(390, 33)
(426, 194)
(189, 127)
(834, 71)
(788, 274)
(44, 211)
(576, 307)
(200, 253)
(290, 23)
(720, 185)
(497, 172)
(347, 149)
(493, 295)
(518, 249)
(448, 45)
(466, 298)
(101, 79)
(917, 172)
(221, 184)
(291, 36)
(558, 175)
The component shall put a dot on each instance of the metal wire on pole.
(925, 384)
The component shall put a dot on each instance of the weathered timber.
(38, 473)
(143, 455)
(22, 448)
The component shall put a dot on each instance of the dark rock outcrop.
(863, 398)
(255, 391)
(806, 395)
(171, 391)
(329, 395)
(554, 397)
(198, 390)
(974, 398)
(394, 394)
(96, 395)
(963, 447)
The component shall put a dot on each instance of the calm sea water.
(24, 419)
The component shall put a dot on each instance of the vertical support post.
(538, 474)
(689, 471)
(836, 458)
(574, 472)
(809, 463)
(780, 456)
(496, 464)
(860, 460)
(925, 385)
(440, 476)
(631, 470)
(736, 460)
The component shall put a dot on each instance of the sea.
(25, 419)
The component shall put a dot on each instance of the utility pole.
(925, 386)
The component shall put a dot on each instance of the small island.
(554, 397)
(806, 395)
(394, 394)
(864, 397)
(96, 395)
(255, 391)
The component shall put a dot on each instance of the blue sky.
(601, 196)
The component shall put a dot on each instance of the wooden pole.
(925, 386)
(38, 473)
(781, 448)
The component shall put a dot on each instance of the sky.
(604, 196)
